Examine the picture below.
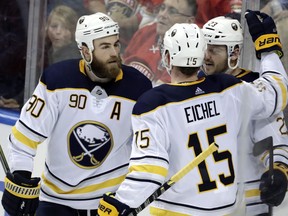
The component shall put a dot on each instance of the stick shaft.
(271, 172)
(196, 161)
(4, 161)
(175, 178)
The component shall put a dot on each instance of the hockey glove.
(109, 206)
(20, 196)
(263, 32)
(272, 191)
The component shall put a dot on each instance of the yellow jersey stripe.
(24, 139)
(150, 169)
(87, 189)
(252, 193)
(162, 212)
(283, 90)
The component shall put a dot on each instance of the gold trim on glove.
(20, 191)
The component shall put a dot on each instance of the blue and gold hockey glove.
(263, 31)
(21, 195)
(272, 191)
(109, 206)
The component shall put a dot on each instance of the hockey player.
(224, 42)
(173, 123)
(83, 109)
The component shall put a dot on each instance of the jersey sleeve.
(36, 122)
(269, 91)
(147, 165)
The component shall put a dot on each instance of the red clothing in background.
(208, 9)
(143, 53)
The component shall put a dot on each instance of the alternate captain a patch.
(89, 143)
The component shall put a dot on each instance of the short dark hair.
(234, 15)
(189, 70)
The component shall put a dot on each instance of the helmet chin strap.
(229, 64)
(231, 68)
(168, 68)
(91, 58)
(91, 73)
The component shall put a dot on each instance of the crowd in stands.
(142, 26)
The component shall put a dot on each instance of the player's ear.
(167, 57)
(85, 53)
(235, 54)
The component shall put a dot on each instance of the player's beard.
(106, 69)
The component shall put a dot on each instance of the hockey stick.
(271, 168)
(4, 161)
(259, 147)
(6, 166)
(175, 178)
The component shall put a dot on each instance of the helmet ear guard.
(185, 44)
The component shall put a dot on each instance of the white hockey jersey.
(88, 130)
(255, 158)
(174, 123)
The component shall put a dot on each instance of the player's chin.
(208, 69)
(114, 71)
(114, 65)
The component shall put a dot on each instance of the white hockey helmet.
(186, 45)
(224, 31)
(94, 26)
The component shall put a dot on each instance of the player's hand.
(109, 206)
(272, 192)
(20, 196)
(263, 31)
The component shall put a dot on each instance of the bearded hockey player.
(82, 108)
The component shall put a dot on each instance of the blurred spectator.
(93, 6)
(208, 9)
(236, 6)
(125, 12)
(77, 5)
(60, 31)
(13, 43)
(148, 10)
(143, 51)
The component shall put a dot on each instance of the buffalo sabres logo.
(234, 26)
(89, 144)
(81, 20)
(173, 32)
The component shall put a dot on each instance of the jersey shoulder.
(132, 74)
(248, 75)
(133, 84)
(64, 74)
(171, 93)
(70, 74)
